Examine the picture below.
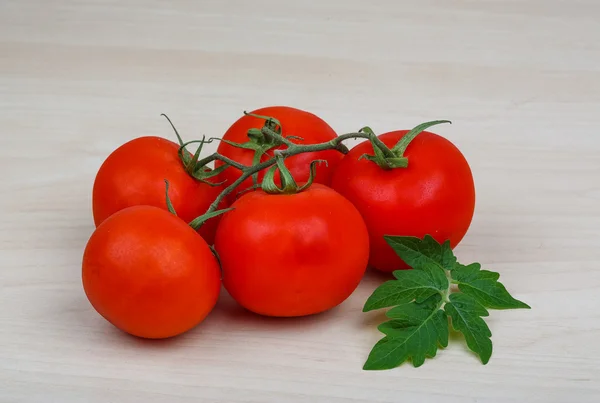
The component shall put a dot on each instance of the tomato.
(292, 254)
(150, 274)
(294, 122)
(134, 174)
(434, 195)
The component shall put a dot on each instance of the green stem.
(271, 121)
(394, 156)
(446, 293)
(222, 158)
(268, 132)
(402, 144)
(169, 203)
(174, 129)
(247, 172)
(293, 149)
(288, 184)
(376, 142)
(255, 160)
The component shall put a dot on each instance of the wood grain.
(519, 79)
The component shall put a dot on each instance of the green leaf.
(483, 285)
(410, 285)
(422, 253)
(418, 324)
(426, 279)
(414, 312)
(415, 333)
(466, 314)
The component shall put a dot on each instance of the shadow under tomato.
(229, 313)
(129, 340)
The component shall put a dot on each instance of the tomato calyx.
(263, 140)
(288, 184)
(196, 169)
(393, 158)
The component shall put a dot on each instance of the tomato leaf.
(418, 284)
(414, 333)
(423, 301)
(415, 285)
(466, 314)
(484, 287)
(422, 253)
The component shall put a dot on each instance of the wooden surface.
(519, 79)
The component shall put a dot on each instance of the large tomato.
(294, 122)
(134, 174)
(150, 274)
(434, 195)
(292, 254)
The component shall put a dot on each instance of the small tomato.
(150, 274)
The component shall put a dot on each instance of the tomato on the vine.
(150, 274)
(433, 195)
(134, 174)
(303, 127)
(292, 254)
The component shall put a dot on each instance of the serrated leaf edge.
(417, 328)
(484, 359)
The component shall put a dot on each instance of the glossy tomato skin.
(150, 274)
(292, 255)
(295, 122)
(134, 174)
(434, 195)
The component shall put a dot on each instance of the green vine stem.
(401, 145)
(394, 158)
(293, 149)
(288, 183)
(385, 157)
(378, 145)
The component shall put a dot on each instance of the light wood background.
(519, 79)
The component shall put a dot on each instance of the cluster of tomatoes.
(152, 275)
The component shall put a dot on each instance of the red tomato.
(134, 174)
(150, 274)
(292, 255)
(294, 122)
(434, 195)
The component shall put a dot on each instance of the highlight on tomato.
(292, 251)
(149, 273)
(248, 141)
(408, 183)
